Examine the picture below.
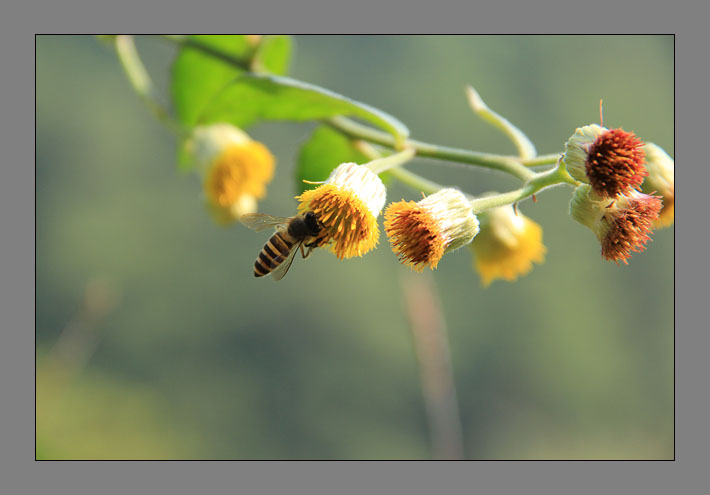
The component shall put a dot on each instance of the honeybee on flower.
(347, 205)
(292, 234)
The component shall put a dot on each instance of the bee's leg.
(307, 253)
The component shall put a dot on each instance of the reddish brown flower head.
(622, 225)
(629, 228)
(421, 233)
(615, 163)
(611, 161)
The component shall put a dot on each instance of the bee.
(292, 234)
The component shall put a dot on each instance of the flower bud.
(660, 180)
(610, 160)
(421, 233)
(235, 169)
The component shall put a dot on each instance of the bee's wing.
(280, 271)
(262, 221)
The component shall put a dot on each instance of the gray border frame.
(21, 474)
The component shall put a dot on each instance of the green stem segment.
(538, 182)
(557, 175)
(380, 165)
(506, 164)
(406, 177)
(526, 149)
(141, 81)
(415, 181)
(541, 160)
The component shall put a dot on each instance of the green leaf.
(251, 98)
(325, 150)
(197, 77)
(273, 54)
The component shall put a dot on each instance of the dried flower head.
(610, 160)
(507, 245)
(235, 169)
(347, 206)
(421, 233)
(660, 180)
(622, 225)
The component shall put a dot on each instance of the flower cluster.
(609, 163)
(624, 187)
(612, 165)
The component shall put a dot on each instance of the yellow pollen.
(348, 225)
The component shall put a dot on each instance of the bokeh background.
(154, 341)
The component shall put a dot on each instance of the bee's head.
(312, 222)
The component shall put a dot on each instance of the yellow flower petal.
(506, 252)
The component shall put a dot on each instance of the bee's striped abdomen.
(275, 251)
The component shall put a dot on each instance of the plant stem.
(404, 176)
(435, 370)
(526, 149)
(141, 81)
(541, 160)
(507, 164)
(415, 181)
(542, 180)
(549, 178)
(379, 165)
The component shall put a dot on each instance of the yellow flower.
(347, 206)
(235, 170)
(421, 233)
(507, 245)
(661, 180)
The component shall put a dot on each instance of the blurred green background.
(154, 340)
